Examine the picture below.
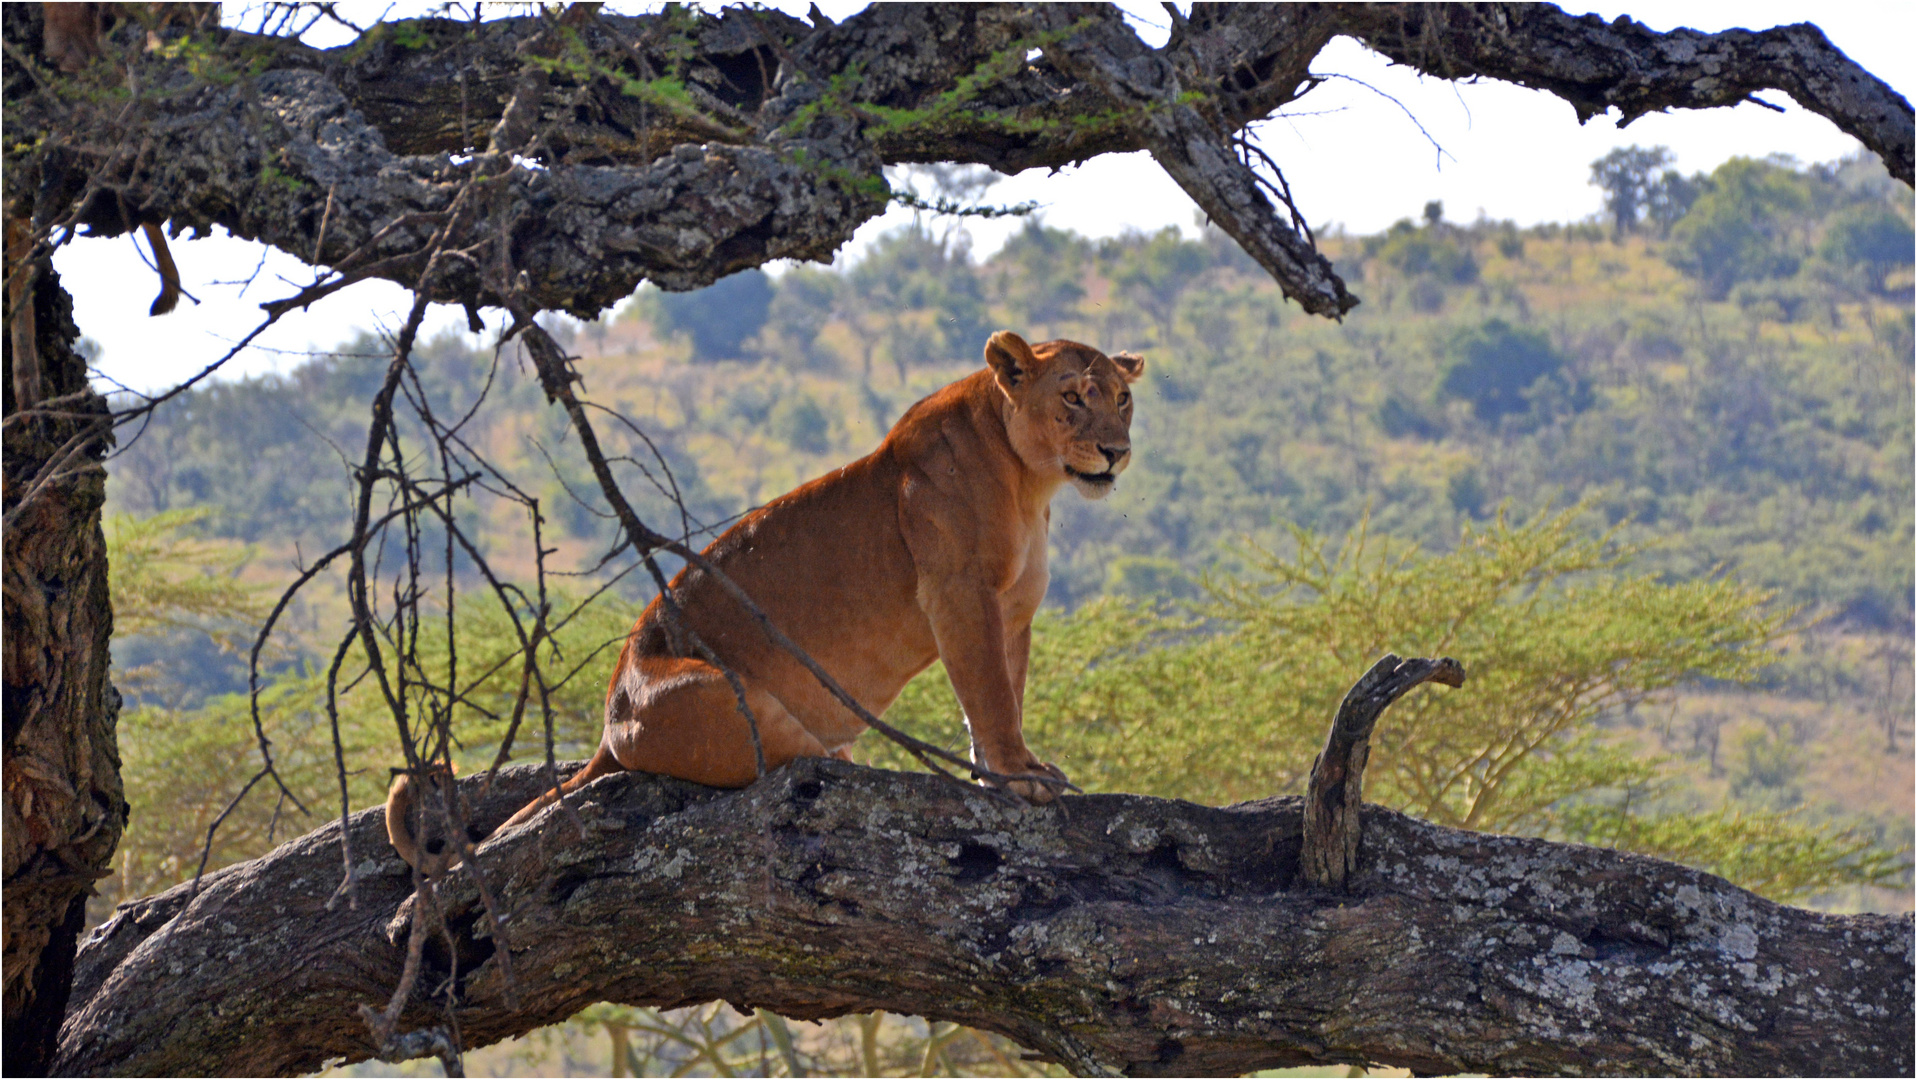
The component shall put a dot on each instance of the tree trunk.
(64, 804)
(1111, 933)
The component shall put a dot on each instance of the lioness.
(932, 547)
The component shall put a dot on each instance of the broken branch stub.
(1333, 827)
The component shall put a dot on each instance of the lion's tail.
(431, 852)
(602, 764)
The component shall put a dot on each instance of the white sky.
(1352, 157)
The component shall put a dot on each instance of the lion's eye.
(1072, 396)
(1124, 399)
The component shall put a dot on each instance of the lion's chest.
(1020, 602)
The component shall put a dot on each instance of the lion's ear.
(1130, 364)
(1011, 360)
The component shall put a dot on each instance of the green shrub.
(1492, 366)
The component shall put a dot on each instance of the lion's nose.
(1113, 453)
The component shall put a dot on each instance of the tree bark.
(1111, 933)
(1334, 797)
(64, 804)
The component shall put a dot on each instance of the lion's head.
(1071, 408)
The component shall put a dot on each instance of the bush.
(799, 422)
(1400, 417)
(720, 317)
(1739, 229)
(1870, 237)
(1492, 365)
(1430, 251)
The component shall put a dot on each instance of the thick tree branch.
(1626, 65)
(1112, 933)
(680, 148)
(1102, 52)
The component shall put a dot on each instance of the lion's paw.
(1034, 791)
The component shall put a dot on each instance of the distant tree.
(166, 579)
(1428, 252)
(1494, 364)
(807, 298)
(720, 317)
(1627, 175)
(1046, 285)
(1871, 237)
(1465, 490)
(1156, 273)
(1740, 228)
(797, 420)
(1670, 197)
(920, 298)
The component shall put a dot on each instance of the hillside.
(1765, 430)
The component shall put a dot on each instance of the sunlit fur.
(932, 547)
(416, 821)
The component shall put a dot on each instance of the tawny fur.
(416, 820)
(932, 547)
(70, 34)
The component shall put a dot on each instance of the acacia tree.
(556, 161)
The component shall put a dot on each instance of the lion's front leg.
(987, 668)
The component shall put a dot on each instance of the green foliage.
(719, 318)
(1465, 489)
(406, 33)
(1039, 274)
(182, 612)
(717, 1040)
(714, 1040)
(1627, 174)
(1147, 577)
(799, 421)
(1871, 236)
(1428, 251)
(215, 743)
(182, 767)
(1670, 197)
(1155, 274)
(930, 277)
(164, 578)
(1753, 431)
(1764, 764)
(1779, 855)
(1740, 228)
(1493, 366)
